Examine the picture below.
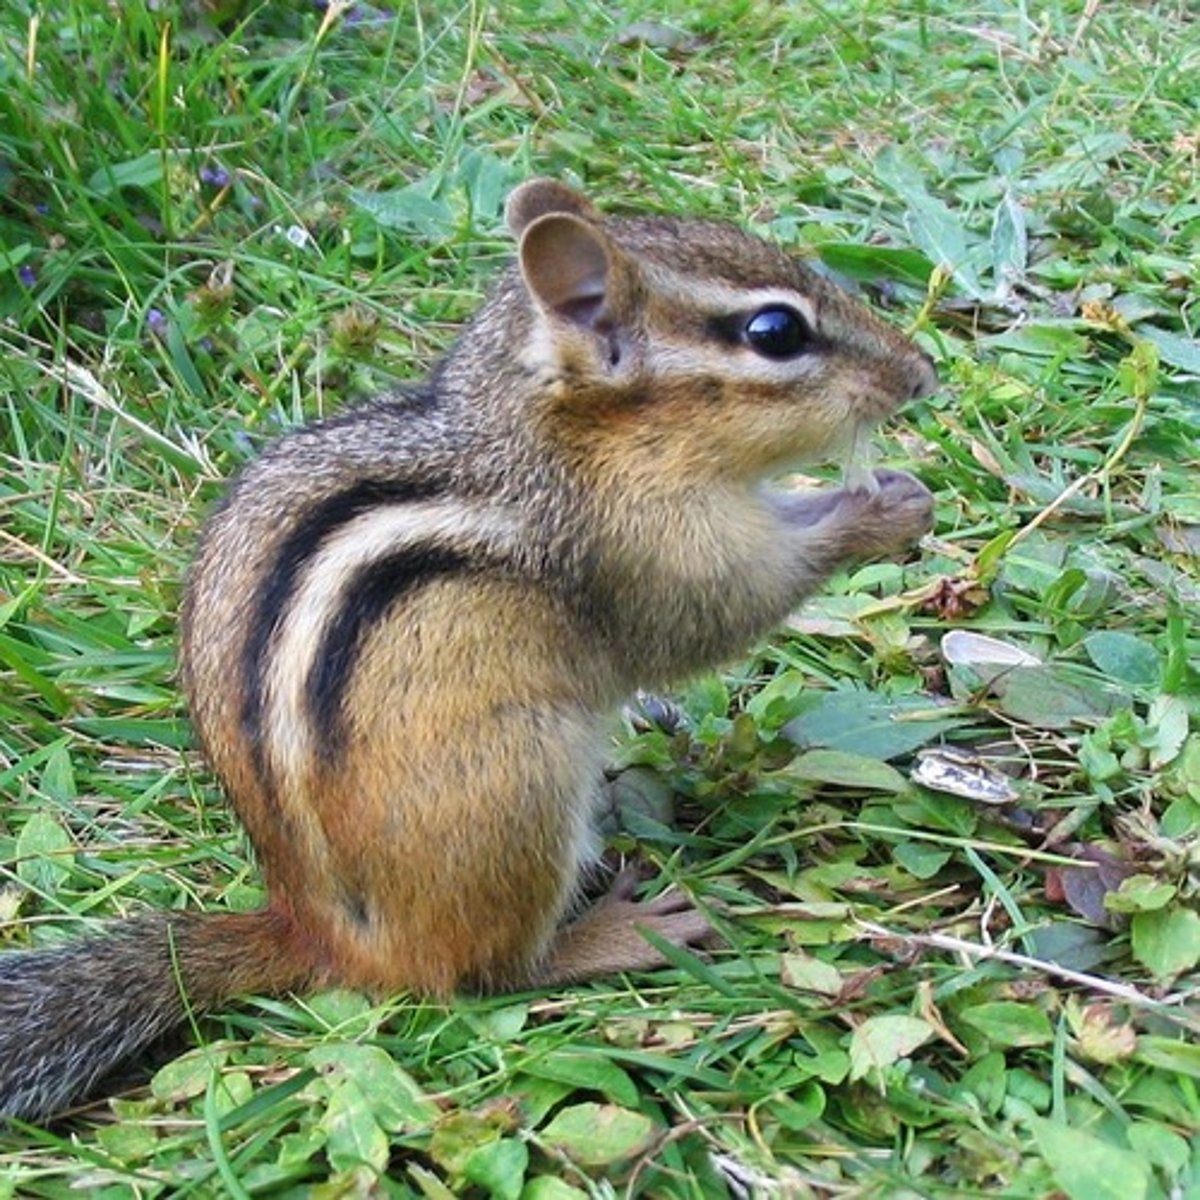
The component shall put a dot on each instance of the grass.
(211, 231)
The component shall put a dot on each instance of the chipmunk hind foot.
(607, 938)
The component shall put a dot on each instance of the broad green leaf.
(1159, 1146)
(126, 1141)
(941, 235)
(1172, 1054)
(808, 974)
(1124, 657)
(1040, 340)
(411, 208)
(799, 1108)
(592, 1072)
(932, 225)
(486, 179)
(353, 1136)
(45, 853)
(58, 775)
(1167, 722)
(1088, 1168)
(1167, 942)
(461, 1133)
(987, 1080)
(856, 261)
(12, 257)
(881, 1041)
(395, 1098)
(1173, 348)
(547, 1187)
(598, 1135)
(142, 172)
(868, 724)
(845, 770)
(1071, 944)
(187, 1076)
(1009, 242)
(348, 1011)
(499, 1167)
(1007, 1023)
(1140, 893)
(920, 859)
(1054, 696)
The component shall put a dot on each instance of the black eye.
(777, 332)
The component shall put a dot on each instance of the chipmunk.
(407, 626)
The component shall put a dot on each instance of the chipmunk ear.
(539, 197)
(566, 263)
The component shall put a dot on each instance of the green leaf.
(1173, 348)
(142, 172)
(410, 208)
(45, 853)
(1087, 1168)
(598, 1135)
(856, 261)
(1159, 1146)
(592, 1072)
(881, 1041)
(987, 1080)
(867, 724)
(1167, 942)
(547, 1187)
(920, 859)
(845, 770)
(1172, 1054)
(1009, 243)
(500, 1167)
(461, 1133)
(808, 974)
(944, 239)
(1054, 696)
(353, 1136)
(1124, 657)
(58, 775)
(1040, 339)
(1007, 1023)
(1167, 726)
(187, 1076)
(396, 1100)
(1140, 893)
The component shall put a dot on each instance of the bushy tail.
(68, 1016)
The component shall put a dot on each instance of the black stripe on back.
(279, 585)
(366, 599)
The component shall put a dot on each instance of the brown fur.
(406, 626)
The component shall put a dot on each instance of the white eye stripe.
(720, 299)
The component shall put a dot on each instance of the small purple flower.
(42, 208)
(156, 322)
(207, 345)
(27, 275)
(214, 175)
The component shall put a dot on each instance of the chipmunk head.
(707, 349)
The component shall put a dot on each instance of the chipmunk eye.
(777, 332)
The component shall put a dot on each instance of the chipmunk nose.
(924, 376)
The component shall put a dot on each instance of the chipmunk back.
(407, 626)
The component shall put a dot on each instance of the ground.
(950, 814)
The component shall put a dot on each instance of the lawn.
(950, 815)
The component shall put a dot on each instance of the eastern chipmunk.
(407, 626)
